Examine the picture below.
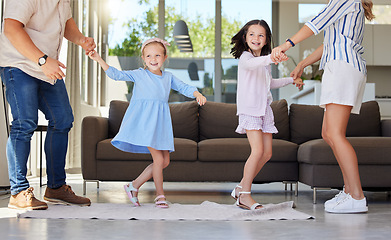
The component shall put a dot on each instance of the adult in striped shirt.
(343, 84)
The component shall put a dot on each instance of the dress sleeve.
(279, 82)
(249, 62)
(334, 10)
(116, 74)
(182, 87)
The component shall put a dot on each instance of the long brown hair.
(239, 40)
(367, 5)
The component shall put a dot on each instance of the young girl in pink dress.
(252, 45)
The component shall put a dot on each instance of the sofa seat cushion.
(185, 150)
(369, 150)
(238, 150)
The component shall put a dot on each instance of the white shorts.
(342, 84)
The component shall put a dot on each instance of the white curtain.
(72, 82)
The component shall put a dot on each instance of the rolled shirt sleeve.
(334, 10)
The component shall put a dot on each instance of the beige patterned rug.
(206, 211)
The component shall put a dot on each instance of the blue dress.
(147, 121)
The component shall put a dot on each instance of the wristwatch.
(42, 60)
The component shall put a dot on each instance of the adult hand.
(278, 53)
(88, 44)
(297, 72)
(52, 69)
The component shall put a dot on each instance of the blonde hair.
(162, 44)
(367, 5)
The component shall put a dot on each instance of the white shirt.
(44, 21)
(343, 22)
(254, 84)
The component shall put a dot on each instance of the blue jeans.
(26, 95)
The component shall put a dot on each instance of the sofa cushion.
(219, 120)
(238, 150)
(184, 117)
(281, 119)
(116, 114)
(306, 122)
(369, 150)
(185, 150)
(367, 123)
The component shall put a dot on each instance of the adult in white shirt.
(30, 44)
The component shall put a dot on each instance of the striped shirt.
(343, 23)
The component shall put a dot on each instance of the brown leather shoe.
(26, 200)
(65, 195)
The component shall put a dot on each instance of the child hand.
(279, 57)
(283, 57)
(298, 82)
(93, 55)
(201, 100)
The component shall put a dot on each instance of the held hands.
(278, 53)
(88, 44)
(201, 100)
(94, 55)
(298, 82)
(297, 72)
(296, 75)
(281, 58)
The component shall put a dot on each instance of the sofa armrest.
(386, 127)
(94, 130)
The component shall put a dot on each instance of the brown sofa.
(369, 136)
(208, 149)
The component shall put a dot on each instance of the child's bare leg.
(161, 159)
(147, 174)
(261, 150)
(142, 178)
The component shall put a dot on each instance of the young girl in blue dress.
(252, 45)
(146, 126)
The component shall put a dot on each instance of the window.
(308, 11)
(234, 16)
(132, 22)
(197, 67)
(382, 14)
